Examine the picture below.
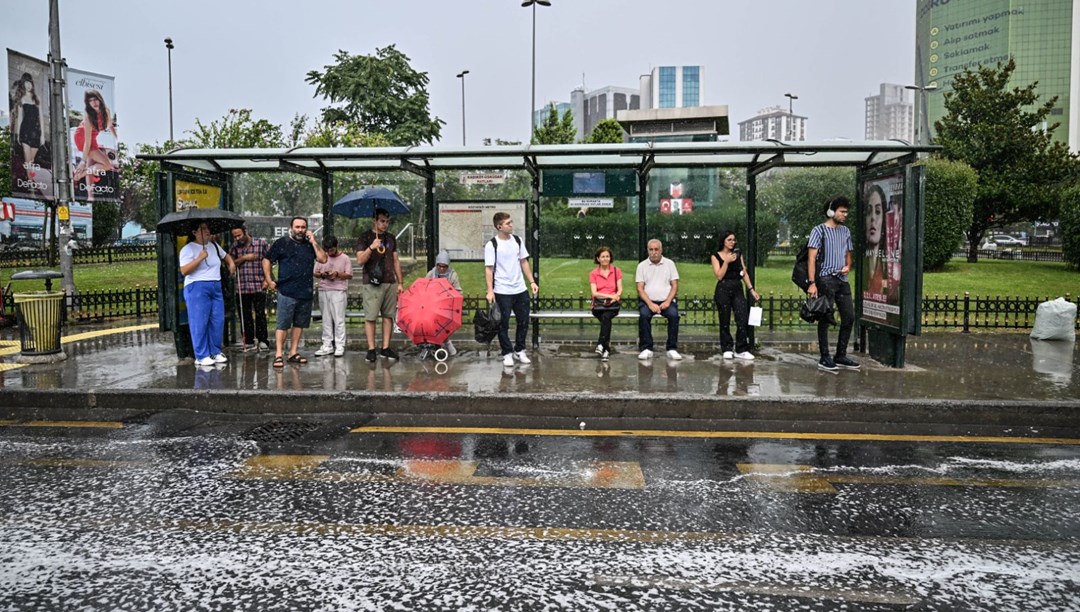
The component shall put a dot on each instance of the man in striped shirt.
(833, 241)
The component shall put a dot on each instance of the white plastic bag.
(1055, 320)
(755, 316)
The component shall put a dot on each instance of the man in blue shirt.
(295, 256)
(833, 241)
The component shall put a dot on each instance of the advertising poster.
(883, 226)
(465, 227)
(28, 108)
(92, 137)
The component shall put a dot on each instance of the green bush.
(687, 238)
(1070, 225)
(949, 199)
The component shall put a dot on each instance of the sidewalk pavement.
(945, 370)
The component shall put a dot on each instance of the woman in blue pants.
(200, 263)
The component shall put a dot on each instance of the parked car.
(137, 240)
(1008, 241)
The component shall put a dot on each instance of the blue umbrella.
(362, 203)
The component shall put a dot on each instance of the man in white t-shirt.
(505, 269)
(657, 281)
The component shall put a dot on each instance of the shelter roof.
(757, 154)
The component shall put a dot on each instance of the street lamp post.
(462, 77)
(791, 114)
(169, 47)
(920, 104)
(532, 106)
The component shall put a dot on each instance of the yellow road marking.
(84, 424)
(588, 474)
(10, 350)
(6, 422)
(106, 332)
(4, 367)
(803, 479)
(658, 433)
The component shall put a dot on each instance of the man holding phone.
(295, 256)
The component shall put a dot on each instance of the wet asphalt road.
(191, 511)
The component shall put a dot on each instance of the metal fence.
(96, 255)
(964, 312)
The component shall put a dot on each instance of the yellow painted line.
(4, 367)
(786, 477)
(589, 474)
(106, 332)
(73, 424)
(6, 422)
(803, 479)
(658, 433)
(9, 343)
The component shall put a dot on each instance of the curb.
(785, 412)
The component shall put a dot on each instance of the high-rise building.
(1043, 36)
(890, 114)
(773, 123)
(540, 115)
(672, 87)
(595, 106)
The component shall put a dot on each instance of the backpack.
(800, 273)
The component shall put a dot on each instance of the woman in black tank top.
(730, 270)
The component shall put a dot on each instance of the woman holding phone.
(730, 271)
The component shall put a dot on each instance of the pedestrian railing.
(964, 312)
(14, 258)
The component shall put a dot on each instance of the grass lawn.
(568, 277)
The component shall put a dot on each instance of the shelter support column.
(751, 238)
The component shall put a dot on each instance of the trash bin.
(39, 314)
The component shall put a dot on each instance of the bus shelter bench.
(579, 314)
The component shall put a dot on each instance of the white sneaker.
(744, 355)
(324, 351)
(339, 352)
(508, 360)
(450, 349)
(599, 349)
(522, 357)
(605, 356)
(673, 354)
(219, 358)
(729, 355)
(646, 354)
(264, 347)
(205, 361)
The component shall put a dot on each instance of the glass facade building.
(691, 89)
(1042, 35)
(667, 87)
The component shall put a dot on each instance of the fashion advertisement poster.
(28, 108)
(92, 137)
(883, 223)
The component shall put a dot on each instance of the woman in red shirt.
(606, 285)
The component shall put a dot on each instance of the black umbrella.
(181, 223)
(361, 204)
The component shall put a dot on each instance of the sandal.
(279, 362)
(296, 358)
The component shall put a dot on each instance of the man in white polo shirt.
(657, 285)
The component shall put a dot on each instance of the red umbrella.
(429, 311)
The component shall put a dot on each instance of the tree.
(236, 130)
(555, 130)
(106, 222)
(1070, 225)
(381, 94)
(798, 195)
(607, 130)
(950, 196)
(1003, 134)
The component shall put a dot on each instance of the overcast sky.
(254, 54)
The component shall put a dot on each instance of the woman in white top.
(200, 263)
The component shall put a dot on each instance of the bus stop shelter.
(871, 159)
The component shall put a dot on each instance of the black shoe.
(389, 353)
(827, 364)
(846, 363)
(372, 355)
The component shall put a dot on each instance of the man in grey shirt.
(657, 285)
